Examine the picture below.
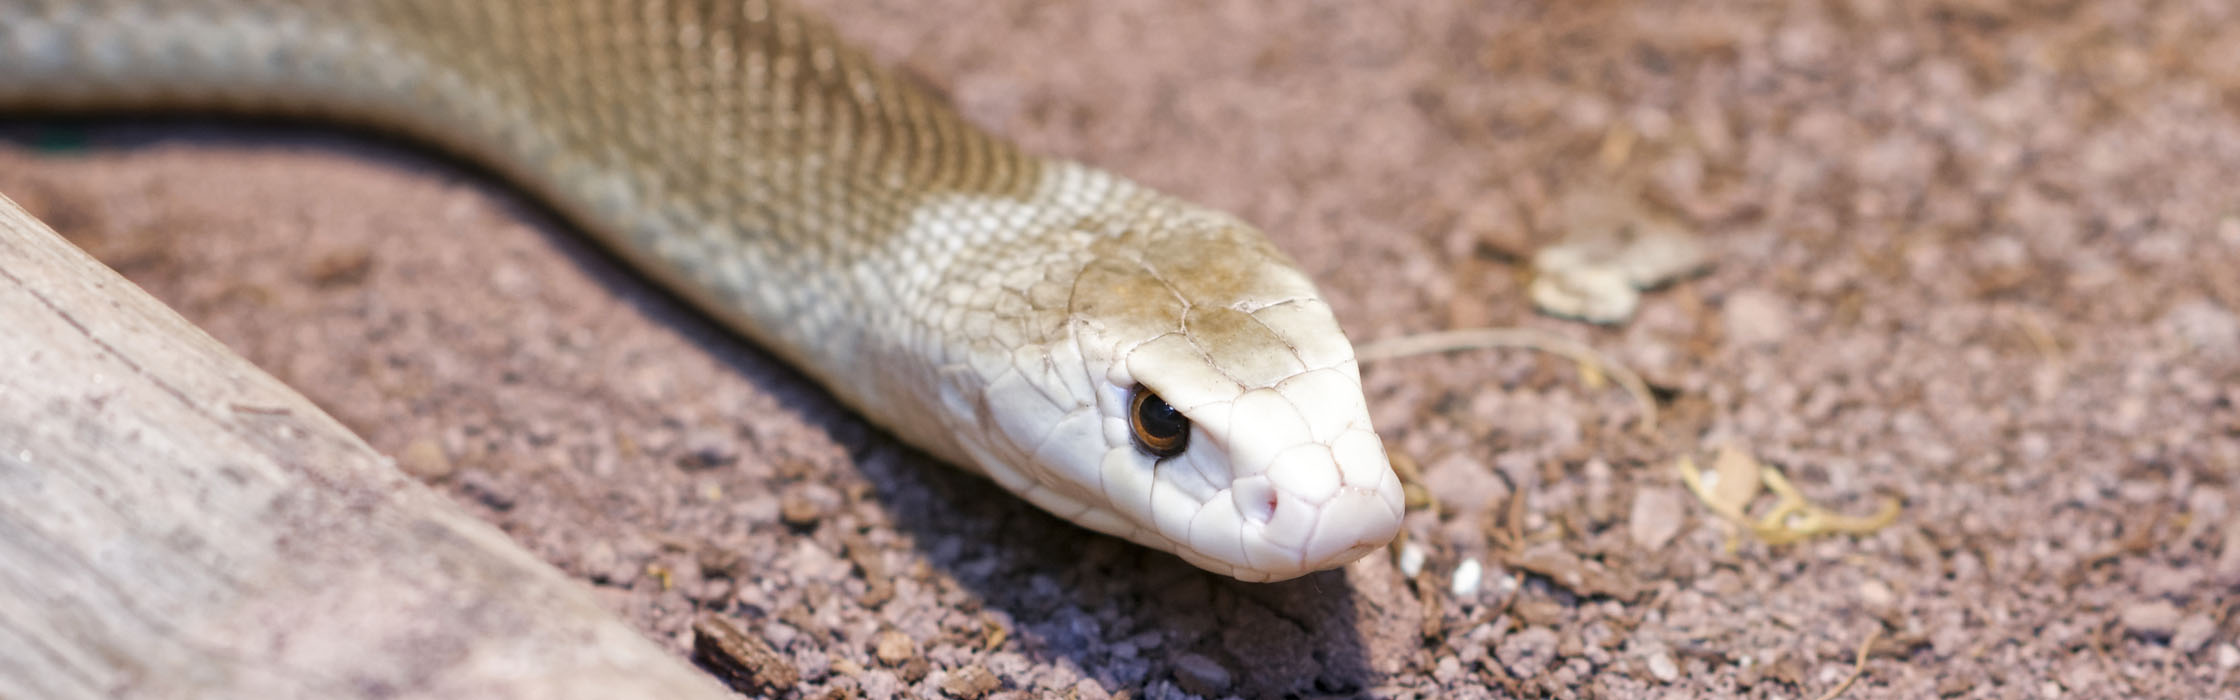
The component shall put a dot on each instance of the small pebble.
(1086, 689)
(1411, 559)
(1528, 652)
(425, 460)
(2228, 656)
(798, 510)
(2156, 620)
(2193, 633)
(1656, 518)
(1200, 675)
(879, 684)
(2205, 327)
(914, 670)
(2161, 581)
(970, 683)
(1467, 577)
(893, 648)
(1465, 485)
(1756, 317)
(1448, 670)
(1876, 594)
(1663, 667)
(342, 268)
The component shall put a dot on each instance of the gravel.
(1977, 257)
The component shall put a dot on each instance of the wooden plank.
(176, 523)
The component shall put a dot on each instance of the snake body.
(1004, 312)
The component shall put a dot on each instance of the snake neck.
(738, 152)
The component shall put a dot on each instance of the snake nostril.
(1256, 499)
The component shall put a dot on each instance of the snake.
(1126, 360)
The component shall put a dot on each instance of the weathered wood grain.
(176, 523)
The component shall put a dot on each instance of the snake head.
(1279, 472)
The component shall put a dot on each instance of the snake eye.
(1160, 430)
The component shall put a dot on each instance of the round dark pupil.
(1161, 420)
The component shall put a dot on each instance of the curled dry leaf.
(1736, 479)
(1613, 249)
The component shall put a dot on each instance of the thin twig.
(1858, 667)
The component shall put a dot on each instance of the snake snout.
(1317, 506)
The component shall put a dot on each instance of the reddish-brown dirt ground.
(1980, 257)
